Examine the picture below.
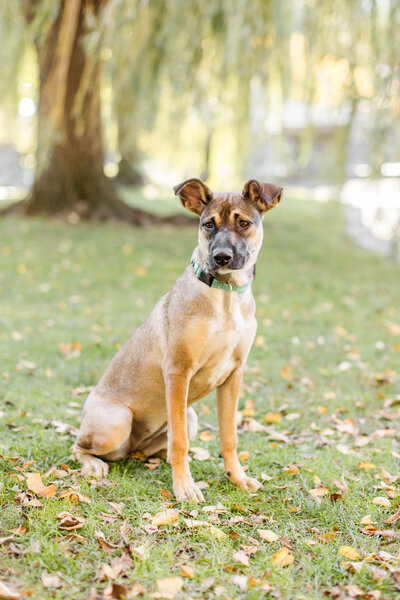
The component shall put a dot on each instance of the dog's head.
(231, 230)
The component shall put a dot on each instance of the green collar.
(208, 279)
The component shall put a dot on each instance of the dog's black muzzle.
(225, 255)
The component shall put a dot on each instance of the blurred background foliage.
(306, 92)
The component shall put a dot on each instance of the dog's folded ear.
(194, 195)
(264, 195)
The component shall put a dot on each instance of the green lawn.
(324, 370)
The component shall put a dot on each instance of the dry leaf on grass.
(286, 372)
(217, 533)
(51, 580)
(393, 518)
(200, 453)
(8, 593)
(268, 535)
(349, 552)
(103, 543)
(272, 417)
(367, 520)
(165, 517)
(381, 501)
(69, 522)
(168, 587)
(35, 484)
(187, 571)
(282, 558)
(319, 491)
(244, 455)
(241, 557)
(366, 465)
(240, 581)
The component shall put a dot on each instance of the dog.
(195, 340)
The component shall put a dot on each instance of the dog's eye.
(244, 223)
(209, 225)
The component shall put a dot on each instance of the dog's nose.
(222, 258)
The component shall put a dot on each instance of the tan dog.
(195, 340)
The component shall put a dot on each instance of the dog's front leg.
(227, 400)
(176, 389)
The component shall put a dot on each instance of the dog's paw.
(249, 484)
(93, 466)
(188, 490)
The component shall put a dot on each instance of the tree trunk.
(69, 173)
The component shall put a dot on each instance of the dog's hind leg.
(160, 441)
(104, 433)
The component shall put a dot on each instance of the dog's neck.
(234, 278)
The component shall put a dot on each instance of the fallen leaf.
(187, 571)
(49, 492)
(8, 593)
(206, 436)
(393, 518)
(168, 587)
(349, 552)
(367, 520)
(241, 557)
(244, 455)
(381, 501)
(200, 453)
(366, 465)
(240, 581)
(116, 591)
(51, 580)
(217, 533)
(138, 551)
(268, 535)
(272, 417)
(165, 517)
(286, 372)
(69, 522)
(282, 558)
(103, 543)
(319, 491)
(35, 484)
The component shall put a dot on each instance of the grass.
(328, 316)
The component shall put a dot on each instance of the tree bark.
(70, 156)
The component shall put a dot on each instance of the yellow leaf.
(165, 517)
(244, 455)
(272, 417)
(282, 558)
(291, 470)
(349, 552)
(322, 409)
(169, 587)
(367, 520)
(217, 533)
(381, 501)
(319, 491)
(366, 465)
(49, 492)
(187, 571)
(268, 535)
(286, 372)
(259, 341)
(206, 436)
(35, 483)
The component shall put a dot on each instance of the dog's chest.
(229, 341)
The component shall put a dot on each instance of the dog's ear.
(194, 195)
(264, 195)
